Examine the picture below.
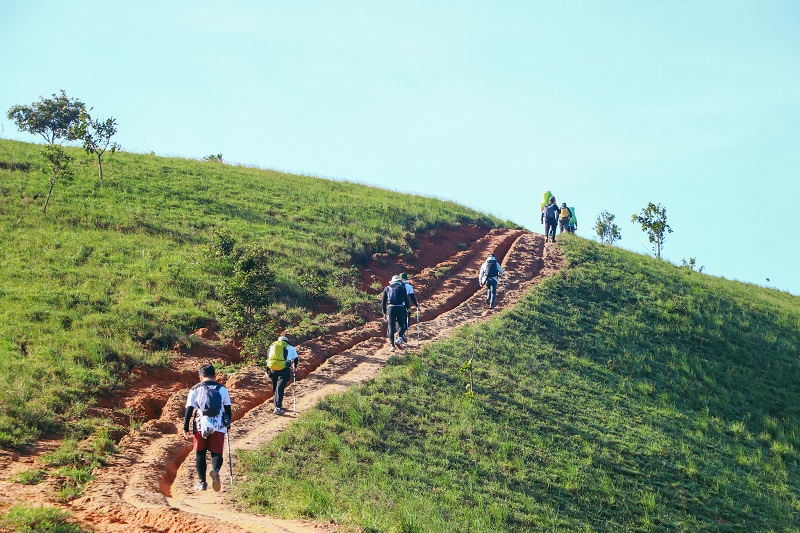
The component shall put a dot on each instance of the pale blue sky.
(691, 104)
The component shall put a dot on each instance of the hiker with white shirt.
(208, 408)
(490, 270)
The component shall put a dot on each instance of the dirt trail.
(147, 485)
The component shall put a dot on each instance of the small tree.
(653, 219)
(250, 290)
(607, 231)
(692, 264)
(97, 137)
(59, 165)
(51, 118)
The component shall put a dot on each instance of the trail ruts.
(147, 486)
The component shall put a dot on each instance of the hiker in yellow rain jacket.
(281, 361)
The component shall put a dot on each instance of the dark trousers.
(491, 290)
(201, 464)
(550, 229)
(279, 380)
(398, 321)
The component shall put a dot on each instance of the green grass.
(29, 519)
(118, 265)
(623, 394)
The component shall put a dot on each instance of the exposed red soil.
(146, 486)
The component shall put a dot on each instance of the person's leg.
(402, 320)
(551, 229)
(216, 445)
(216, 460)
(274, 375)
(200, 464)
(491, 283)
(283, 378)
(391, 325)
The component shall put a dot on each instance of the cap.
(283, 338)
(404, 276)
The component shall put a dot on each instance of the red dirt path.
(146, 484)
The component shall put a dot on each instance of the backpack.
(551, 212)
(212, 417)
(396, 294)
(276, 358)
(211, 401)
(491, 269)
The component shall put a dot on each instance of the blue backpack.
(213, 400)
(396, 294)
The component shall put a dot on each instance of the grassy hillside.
(623, 394)
(129, 262)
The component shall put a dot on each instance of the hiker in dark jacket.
(488, 274)
(208, 432)
(550, 219)
(394, 304)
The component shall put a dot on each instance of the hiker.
(208, 407)
(490, 270)
(573, 221)
(412, 300)
(563, 217)
(550, 219)
(281, 363)
(394, 304)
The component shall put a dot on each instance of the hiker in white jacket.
(490, 270)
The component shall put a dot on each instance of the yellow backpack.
(276, 358)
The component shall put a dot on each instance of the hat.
(396, 278)
(564, 204)
(283, 338)
(404, 276)
(491, 256)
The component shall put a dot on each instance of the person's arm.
(292, 357)
(383, 302)
(187, 418)
(413, 299)
(226, 406)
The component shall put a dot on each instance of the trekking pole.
(230, 463)
(417, 326)
(294, 386)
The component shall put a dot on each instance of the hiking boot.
(201, 486)
(391, 349)
(278, 411)
(215, 484)
(400, 342)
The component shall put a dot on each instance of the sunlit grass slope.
(114, 265)
(623, 394)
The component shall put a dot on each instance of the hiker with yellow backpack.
(564, 217)
(281, 364)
